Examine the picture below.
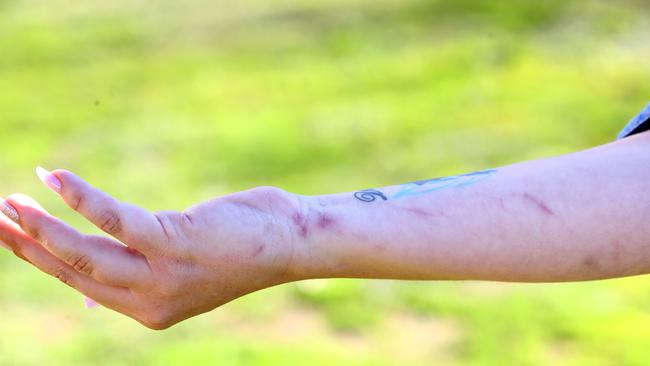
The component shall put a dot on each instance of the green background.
(165, 103)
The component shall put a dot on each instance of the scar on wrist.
(320, 221)
(325, 221)
(300, 220)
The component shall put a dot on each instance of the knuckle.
(261, 199)
(267, 193)
(110, 222)
(63, 275)
(81, 263)
(167, 224)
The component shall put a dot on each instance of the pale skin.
(581, 216)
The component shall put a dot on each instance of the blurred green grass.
(167, 103)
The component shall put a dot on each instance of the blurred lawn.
(165, 103)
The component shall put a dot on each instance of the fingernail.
(49, 179)
(9, 211)
(90, 303)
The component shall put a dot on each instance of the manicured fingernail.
(90, 303)
(49, 179)
(9, 211)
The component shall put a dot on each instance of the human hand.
(158, 268)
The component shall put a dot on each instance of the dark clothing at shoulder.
(638, 124)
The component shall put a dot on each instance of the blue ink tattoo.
(427, 186)
(431, 185)
(369, 195)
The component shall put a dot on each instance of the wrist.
(300, 223)
(323, 228)
(291, 228)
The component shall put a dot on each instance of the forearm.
(575, 217)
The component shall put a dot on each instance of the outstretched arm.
(581, 216)
(575, 217)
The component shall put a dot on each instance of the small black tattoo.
(369, 195)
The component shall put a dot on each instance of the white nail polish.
(49, 179)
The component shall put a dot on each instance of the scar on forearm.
(419, 212)
(260, 248)
(538, 203)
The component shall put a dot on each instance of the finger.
(6, 221)
(117, 298)
(4, 218)
(134, 226)
(101, 258)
